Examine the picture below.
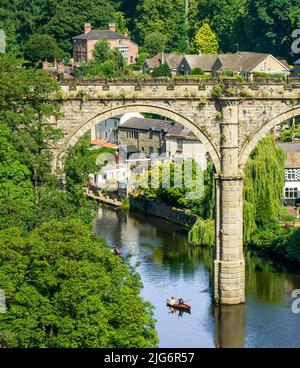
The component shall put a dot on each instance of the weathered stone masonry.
(229, 127)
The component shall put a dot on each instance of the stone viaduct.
(229, 119)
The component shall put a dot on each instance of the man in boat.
(180, 301)
(116, 251)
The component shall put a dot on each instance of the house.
(108, 129)
(190, 62)
(146, 135)
(183, 143)
(84, 44)
(162, 137)
(292, 172)
(247, 63)
(296, 69)
(172, 60)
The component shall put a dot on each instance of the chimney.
(112, 27)
(87, 28)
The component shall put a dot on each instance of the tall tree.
(268, 26)
(41, 47)
(206, 41)
(70, 16)
(226, 19)
(26, 108)
(166, 17)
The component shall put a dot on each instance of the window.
(116, 136)
(291, 193)
(143, 149)
(151, 135)
(292, 175)
(132, 134)
(151, 150)
(179, 144)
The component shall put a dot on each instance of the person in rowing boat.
(180, 301)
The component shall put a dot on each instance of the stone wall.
(162, 210)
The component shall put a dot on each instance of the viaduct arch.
(229, 126)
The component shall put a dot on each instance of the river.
(170, 267)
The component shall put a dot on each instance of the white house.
(181, 142)
(292, 172)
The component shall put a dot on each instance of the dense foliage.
(254, 25)
(263, 205)
(107, 62)
(63, 286)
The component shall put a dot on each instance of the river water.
(170, 267)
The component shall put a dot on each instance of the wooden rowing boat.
(174, 303)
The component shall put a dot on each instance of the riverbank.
(162, 210)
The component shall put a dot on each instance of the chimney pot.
(112, 27)
(87, 28)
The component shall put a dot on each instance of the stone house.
(292, 172)
(247, 63)
(172, 60)
(84, 44)
(190, 62)
(147, 135)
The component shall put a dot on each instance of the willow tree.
(263, 194)
(263, 187)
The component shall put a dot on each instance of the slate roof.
(205, 62)
(147, 124)
(179, 131)
(98, 34)
(293, 154)
(243, 61)
(172, 60)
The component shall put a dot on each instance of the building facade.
(248, 63)
(84, 44)
(147, 135)
(107, 130)
(292, 172)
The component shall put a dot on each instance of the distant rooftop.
(156, 125)
(98, 34)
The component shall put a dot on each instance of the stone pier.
(229, 265)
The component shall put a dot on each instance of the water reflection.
(169, 266)
(230, 324)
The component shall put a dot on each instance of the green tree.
(154, 43)
(16, 189)
(162, 71)
(102, 51)
(165, 17)
(26, 108)
(269, 25)
(70, 16)
(41, 47)
(206, 41)
(226, 18)
(64, 288)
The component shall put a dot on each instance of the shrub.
(162, 71)
(197, 71)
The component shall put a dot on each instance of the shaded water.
(169, 266)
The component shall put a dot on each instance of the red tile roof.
(102, 143)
